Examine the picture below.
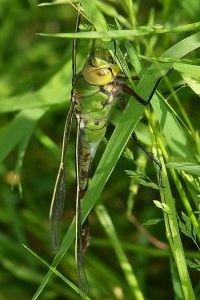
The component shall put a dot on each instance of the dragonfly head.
(99, 68)
(101, 57)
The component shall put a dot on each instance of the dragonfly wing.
(58, 199)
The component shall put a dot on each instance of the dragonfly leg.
(150, 155)
(132, 93)
(156, 86)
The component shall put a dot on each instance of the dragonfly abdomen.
(85, 159)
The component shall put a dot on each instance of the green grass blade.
(108, 226)
(129, 34)
(185, 166)
(21, 127)
(54, 92)
(68, 282)
(94, 14)
(173, 235)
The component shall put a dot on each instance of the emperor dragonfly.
(95, 89)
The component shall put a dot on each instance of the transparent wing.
(58, 199)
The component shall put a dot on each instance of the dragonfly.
(95, 89)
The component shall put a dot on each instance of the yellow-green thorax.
(94, 92)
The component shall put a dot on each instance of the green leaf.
(152, 222)
(194, 264)
(54, 92)
(142, 179)
(68, 282)
(20, 128)
(185, 166)
(94, 14)
(162, 206)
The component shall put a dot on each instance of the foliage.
(127, 259)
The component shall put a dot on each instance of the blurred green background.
(32, 67)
